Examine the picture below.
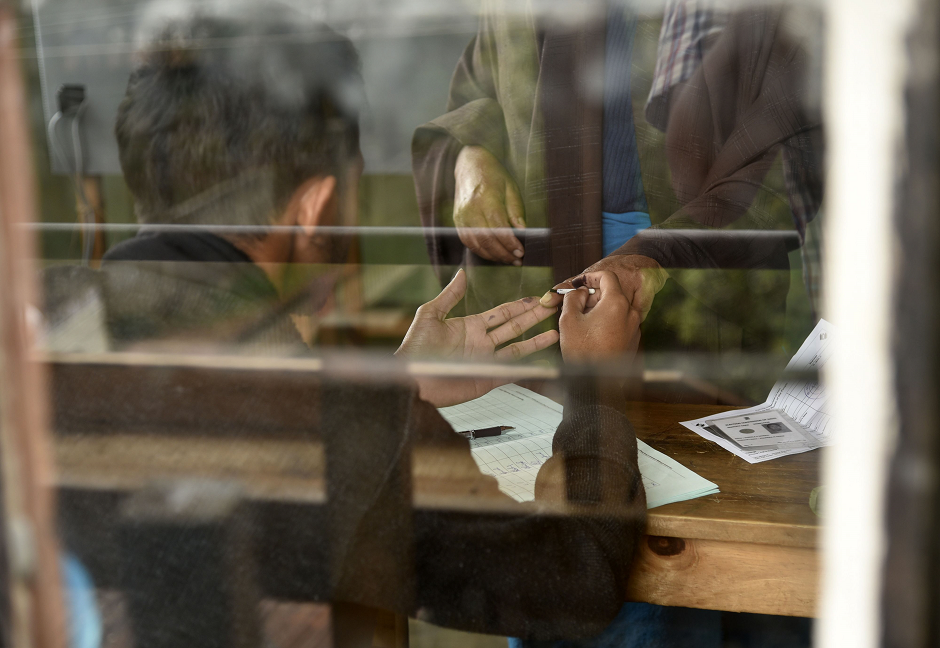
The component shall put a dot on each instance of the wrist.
(470, 152)
(592, 391)
(634, 262)
(471, 161)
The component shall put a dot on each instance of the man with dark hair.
(234, 138)
(245, 130)
(184, 126)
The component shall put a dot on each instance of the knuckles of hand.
(422, 311)
(619, 307)
(474, 214)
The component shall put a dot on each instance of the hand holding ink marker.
(601, 326)
(549, 300)
(470, 435)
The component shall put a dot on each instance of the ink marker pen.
(485, 432)
(565, 291)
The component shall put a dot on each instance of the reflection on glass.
(316, 227)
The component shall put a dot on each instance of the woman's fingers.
(476, 232)
(496, 245)
(521, 323)
(508, 241)
(527, 347)
(505, 312)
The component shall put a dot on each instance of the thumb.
(574, 303)
(451, 295)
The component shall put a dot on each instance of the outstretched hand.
(477, 338)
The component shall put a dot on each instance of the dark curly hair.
(217, 99)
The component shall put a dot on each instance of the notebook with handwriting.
(514, 458)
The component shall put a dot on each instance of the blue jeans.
(644, 625)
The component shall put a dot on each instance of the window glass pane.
(504, 318)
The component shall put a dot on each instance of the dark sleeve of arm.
(726, 127)
(684, 240)
(535, 574)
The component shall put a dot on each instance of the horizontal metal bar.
(656, 368)
(787, 236)
(332, 230)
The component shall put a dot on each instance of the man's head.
(243, 120)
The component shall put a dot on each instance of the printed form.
(793, 419)
(514, 458)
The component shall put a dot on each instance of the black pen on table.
(485, 432)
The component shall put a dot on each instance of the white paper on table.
(766, 429)
(515, 457)
(806, 402)
(802, 402)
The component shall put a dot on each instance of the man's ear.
(316, 203)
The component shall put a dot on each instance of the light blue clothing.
(625, 209)
(84, 621)
(643, 625)
(619, 228)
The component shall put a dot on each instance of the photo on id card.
(762, 429)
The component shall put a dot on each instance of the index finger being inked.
(553, 300)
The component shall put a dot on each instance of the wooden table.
(750, 548)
